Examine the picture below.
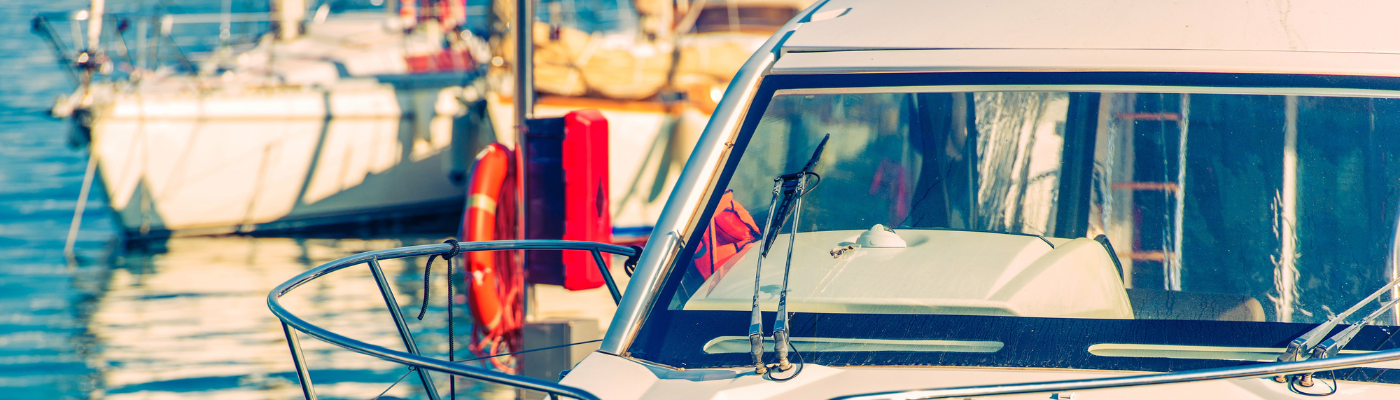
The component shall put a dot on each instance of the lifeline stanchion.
(404, 333)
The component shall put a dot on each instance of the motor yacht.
(907, 199)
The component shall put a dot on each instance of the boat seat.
(1200, 306)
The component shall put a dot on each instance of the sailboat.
(296, 119)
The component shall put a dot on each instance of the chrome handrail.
(411, 358)
(1240, 372)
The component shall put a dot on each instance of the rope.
(451, 336)
(631, 264)
(428, 270)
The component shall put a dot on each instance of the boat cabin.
(1008, 192)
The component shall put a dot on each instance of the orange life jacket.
(729, 234)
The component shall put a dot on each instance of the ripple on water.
(183, 318)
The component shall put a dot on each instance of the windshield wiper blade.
(1303, 345)
(791, 188)
(791, 194)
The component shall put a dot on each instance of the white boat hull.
(244, 162)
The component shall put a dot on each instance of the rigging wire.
(533, 350)
(391, 386)
(451, 334)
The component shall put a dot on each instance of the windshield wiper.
(1334, 344)
(1298, 348)
(1307, 345)
(791, 188)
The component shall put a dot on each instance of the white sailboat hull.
(183, 163)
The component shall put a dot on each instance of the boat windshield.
(1110, 225)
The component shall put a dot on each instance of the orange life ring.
(479, 224)
(493, 278)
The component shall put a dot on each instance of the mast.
(524, 103)
(286, 18)
(94, 33)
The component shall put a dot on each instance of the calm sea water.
(183, 318)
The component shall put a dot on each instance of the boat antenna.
(791, 188)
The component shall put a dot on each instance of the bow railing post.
(299, 361)
(404, 333)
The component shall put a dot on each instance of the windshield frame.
(668, 337)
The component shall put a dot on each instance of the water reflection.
(187, 319)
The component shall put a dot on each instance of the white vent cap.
(880, 237)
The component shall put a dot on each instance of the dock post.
(524, 109)
(524, 104)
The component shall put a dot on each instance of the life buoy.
(493, 278)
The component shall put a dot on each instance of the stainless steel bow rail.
(411, 358)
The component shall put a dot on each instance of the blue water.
(183, 318)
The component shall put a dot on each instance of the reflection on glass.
(1218, 206)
